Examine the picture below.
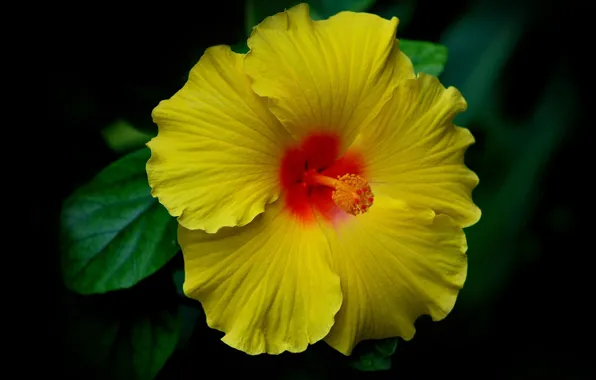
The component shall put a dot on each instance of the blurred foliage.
(122, 137)
(506, 199)
(122, 335)
(377, 357)
(521, 107)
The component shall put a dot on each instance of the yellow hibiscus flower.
(319, 185)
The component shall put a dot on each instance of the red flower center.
(315, 179)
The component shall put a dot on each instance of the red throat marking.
(315, 179)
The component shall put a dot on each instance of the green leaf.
(375, 355)
(426, 57)
(127, 334)
(120, 136)
(114, 233)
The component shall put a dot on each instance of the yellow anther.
(353, 194)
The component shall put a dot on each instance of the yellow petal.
(329, 76)
(215, 159)
(415, 153)
(395, 264)
(268, 285)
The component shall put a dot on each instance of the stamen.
(351, 193)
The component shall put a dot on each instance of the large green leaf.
(426, 57)
(127, 334)
(374, 355)
(114, 233)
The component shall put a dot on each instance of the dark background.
(526, 70)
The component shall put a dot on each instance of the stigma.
(351, 193)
